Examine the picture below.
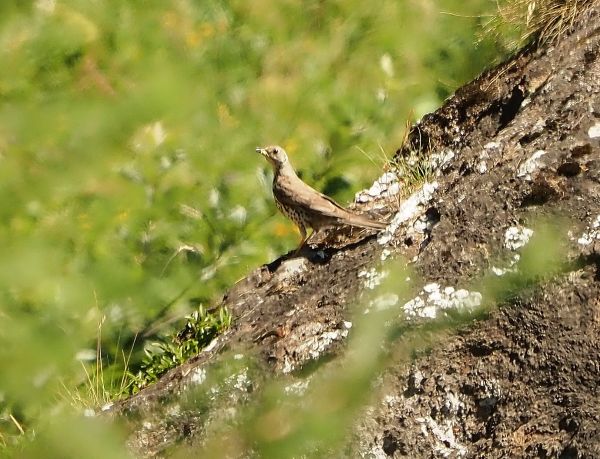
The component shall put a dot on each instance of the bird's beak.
(262, 151)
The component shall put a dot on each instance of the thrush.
(304, 205)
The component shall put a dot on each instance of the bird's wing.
(298, 193)
(293, 192)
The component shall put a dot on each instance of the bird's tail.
(364, 222)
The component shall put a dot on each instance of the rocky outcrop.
(518, 146)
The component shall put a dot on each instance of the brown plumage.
(304, 205)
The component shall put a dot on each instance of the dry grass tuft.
(544, 21)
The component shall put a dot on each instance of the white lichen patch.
(532, 164)
(424, 223)
(440, 160)
(313, 346)
(417, 307)
(236, 386)
(391, 401)
(452, 405)
(239, 381)
(433, 298)
(383, 302)
(385, 186)
(297, 388)
(511, 268)
(446, 444)
(372, 277)
(491, 393)
(594, 131)
(409, 209)
(198, 375)
(385, 253)
(516, 237)
(591, 234)
(373, 451)
(482, 165)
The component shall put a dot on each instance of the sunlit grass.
(105, 378)
(542, 20)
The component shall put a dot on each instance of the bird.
(304, 205)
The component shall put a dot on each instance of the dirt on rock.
(518, 145)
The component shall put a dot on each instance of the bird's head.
(275, 155)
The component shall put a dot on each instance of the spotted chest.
(297, 216)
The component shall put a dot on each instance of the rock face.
(521, 142)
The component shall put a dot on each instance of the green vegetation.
(200, 329)
(130, 193)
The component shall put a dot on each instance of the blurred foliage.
(130, 193)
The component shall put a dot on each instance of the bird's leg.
(303, 241)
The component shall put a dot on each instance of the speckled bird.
(304, 205)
